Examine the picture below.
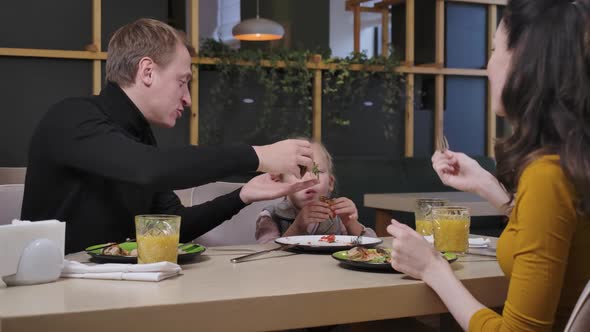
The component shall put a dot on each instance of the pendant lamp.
(258, 29)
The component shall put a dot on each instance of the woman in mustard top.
(540, 80)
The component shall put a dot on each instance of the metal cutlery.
(248, 256)
(486, 253)
(442, 144)
(358, 240)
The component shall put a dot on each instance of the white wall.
(208, 18)
(217, 18)
(341, 29)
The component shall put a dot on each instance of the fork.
(358, 240)
(442, 144)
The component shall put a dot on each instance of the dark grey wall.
(116, 13)
(56, 24)
(28, 88)
(31, 85)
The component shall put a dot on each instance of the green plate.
(191, 250)
(342, 256)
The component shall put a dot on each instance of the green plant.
(290, 87)
(344, 86)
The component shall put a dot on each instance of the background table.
(384, 204)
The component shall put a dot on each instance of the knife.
(481, 253)
(246, 257)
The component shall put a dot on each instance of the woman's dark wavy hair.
(547, 91)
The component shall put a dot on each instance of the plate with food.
(327, 243)
(373, 258)
(126, 252)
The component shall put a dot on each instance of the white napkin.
(28, 222)
(140, 272)
(474, 242)
(479, 242)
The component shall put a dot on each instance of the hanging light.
(258, 29)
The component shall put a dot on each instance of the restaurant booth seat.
(240, 228)
(11, 200)
(580, 318)
(12, 175)
(185, 196)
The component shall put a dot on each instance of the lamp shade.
(258, 29)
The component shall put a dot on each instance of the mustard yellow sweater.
(544, 251)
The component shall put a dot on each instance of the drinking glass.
(157, 238)
(423, 213)
(451, 228)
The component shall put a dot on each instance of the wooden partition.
(438, 68)
(94, 53)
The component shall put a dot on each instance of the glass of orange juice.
(451, 228)
(157, 238)
(423, 213)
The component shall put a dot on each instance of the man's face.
(169, 94)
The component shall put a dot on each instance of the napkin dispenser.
(31, 252)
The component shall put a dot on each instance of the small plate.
(342, 256)
(191, 250)
(317, 242)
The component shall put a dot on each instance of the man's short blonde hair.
(142, 38)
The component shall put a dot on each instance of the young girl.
(308, 212)
(540, 80)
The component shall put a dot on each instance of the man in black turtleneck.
(94, 162)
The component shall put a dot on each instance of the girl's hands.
(313, 212)
(345, 209)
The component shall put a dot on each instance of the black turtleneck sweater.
(94, 163)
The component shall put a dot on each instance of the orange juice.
(424, 227)
(451, 235)
(157, 238)
(422, 213)
(157, 248)
(451, 228)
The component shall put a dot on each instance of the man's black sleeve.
(198, 219)
(86, 140)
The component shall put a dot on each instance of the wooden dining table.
(280, 290)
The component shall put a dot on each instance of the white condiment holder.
(31, 252)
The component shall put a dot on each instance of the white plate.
(313, 243)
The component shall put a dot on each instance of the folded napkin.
(475, 242)
(479, 242)
(28, 222)
(140, 272)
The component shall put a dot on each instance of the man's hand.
(285, 157)
(263, 187)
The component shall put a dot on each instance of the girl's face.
(323, 188)
(497, 70)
